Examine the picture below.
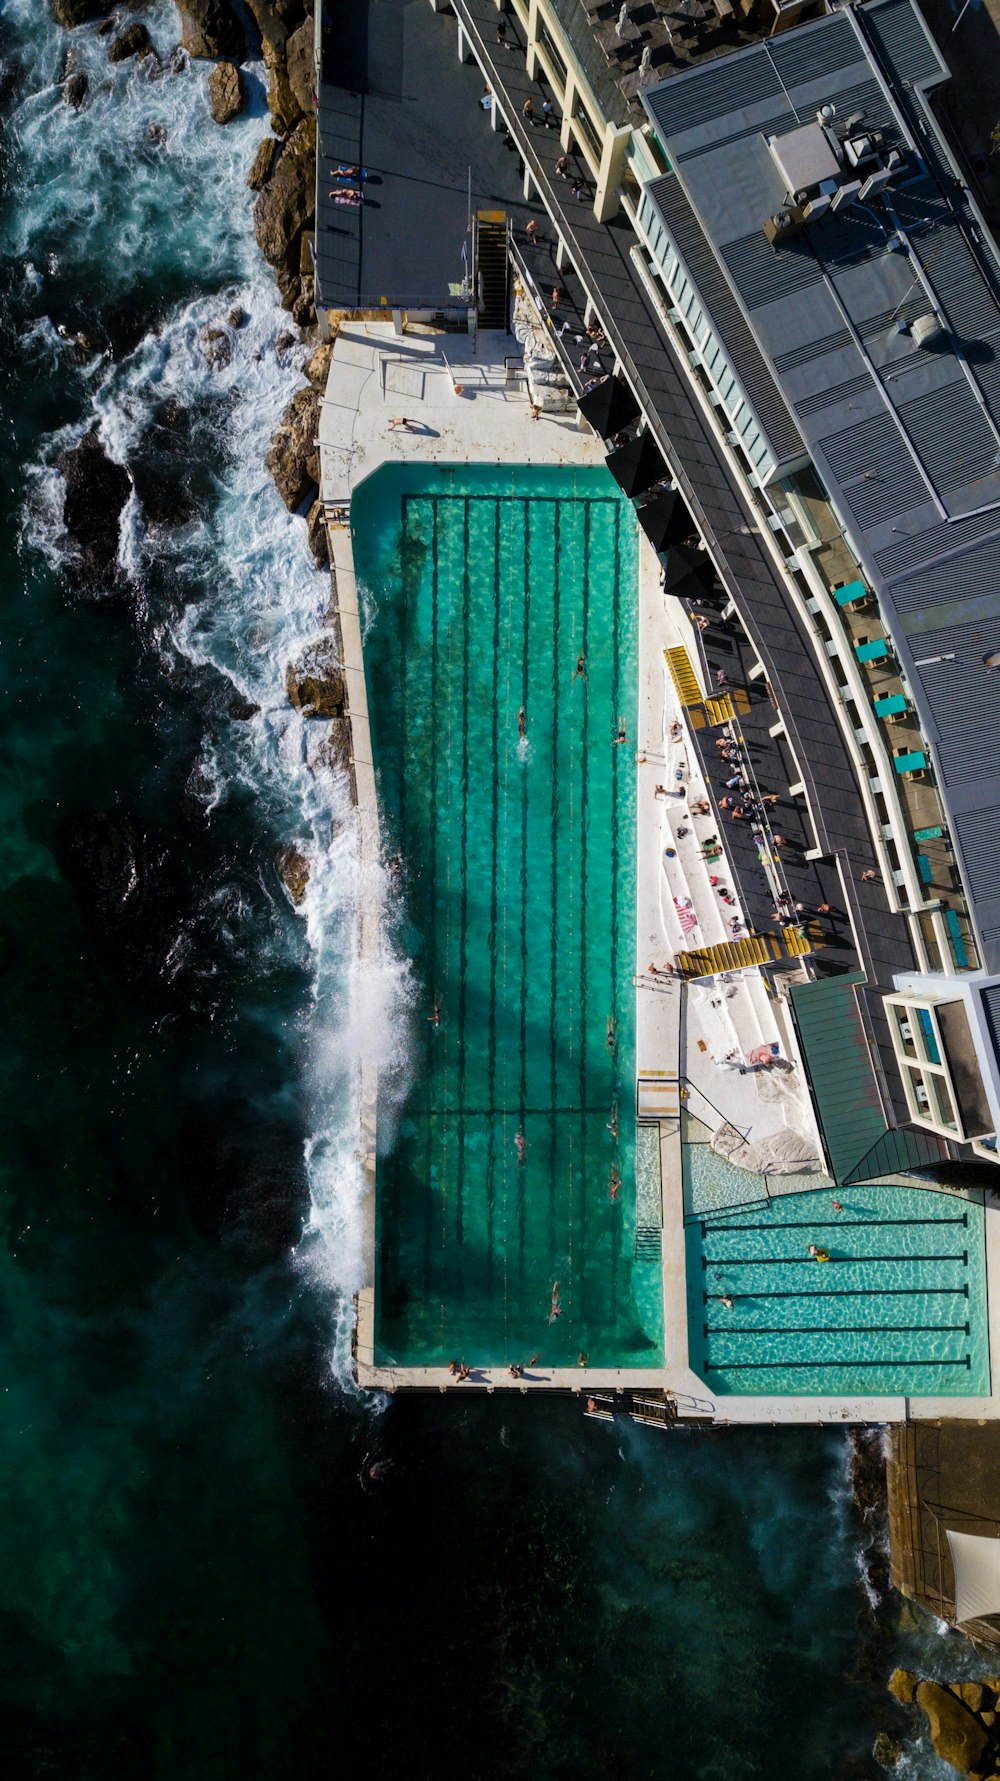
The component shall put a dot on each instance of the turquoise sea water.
(898, 1309)
(483, 591)
(197, 1580)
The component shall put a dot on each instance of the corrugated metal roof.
(905, 41)
(905, 434)
(859, 1143)
(991, 1008)
(839, 1068)
(762, 393)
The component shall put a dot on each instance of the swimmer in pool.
(522, 723)
(519, 1145)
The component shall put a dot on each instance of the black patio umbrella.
(685, 574)
(608, 406)
(666, 520)
(637, 465)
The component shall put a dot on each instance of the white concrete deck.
(680, 1029)
(377, 375)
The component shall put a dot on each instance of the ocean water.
(197, 1577)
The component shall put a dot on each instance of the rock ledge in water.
(263, 161)
(210, 29)
(902, 1684)
(955, 1733)
(226, 96)
(293, 458)
(286, 205)
(317, 536)
(96, 492)
(216, 346)
(70, 13)
(315, 683)
(75, 91)
(134, 41)
(318, 367)
(293, 870)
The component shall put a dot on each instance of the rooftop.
(877, 318)
(405, 244)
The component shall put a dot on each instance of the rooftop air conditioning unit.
(927, 330)
(781, 226)
(875, 182)
(862, 148)
(816, 208)
(845, 194)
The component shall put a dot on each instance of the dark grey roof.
(905, 433)
(381, 58)
(703, 270)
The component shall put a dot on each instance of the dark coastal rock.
(75, 91)
(282, 103)
(121, 876)
(263, 161)
(293, 459)
(886, 1750)
(284, 343)
(315, 683)
(317, 369)
(226, 94)
(216, 346)
(293, 870)
(955, 1733)
(242, 710)
(971, 1694)
(287, 203)
(317, 536)
(70, 13)
(96, 492)
(301, 67)
(156, 134)
(902, 1684)
(134, 41)
(164, 500)
(237, 317)
(173, 416)
(304, 306)
(210, 29)
(336, 752)
(276, 18)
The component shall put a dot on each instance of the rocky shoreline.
(283, 176)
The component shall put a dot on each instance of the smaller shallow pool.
(898, 1309)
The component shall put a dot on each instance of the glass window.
(942, 1107)
(903, 1018)
(587, 131)
(556, 62)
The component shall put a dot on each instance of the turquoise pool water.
(899, 1308)
(712, 1183)
(482, 590)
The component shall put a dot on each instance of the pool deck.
(375, 375)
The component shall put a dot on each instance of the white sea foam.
(152, 175)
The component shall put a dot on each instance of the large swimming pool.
(500, 649)
(898, 1309)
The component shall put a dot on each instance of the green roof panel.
(859, 1143)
